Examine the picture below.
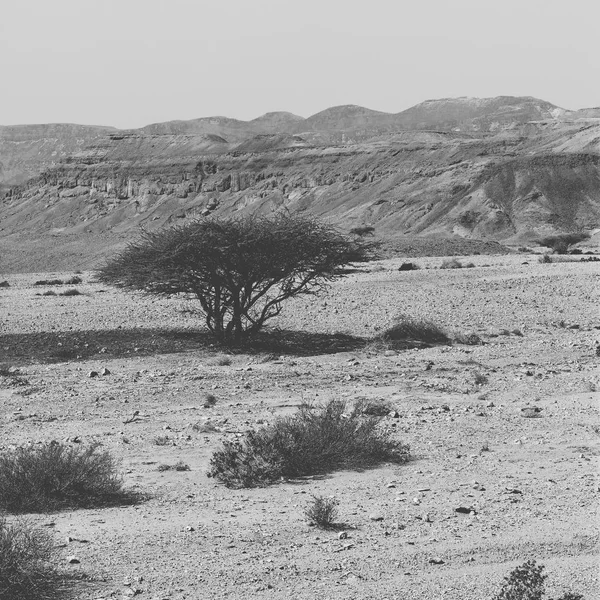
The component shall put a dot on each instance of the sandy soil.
(532, 482)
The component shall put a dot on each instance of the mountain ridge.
(502, 169)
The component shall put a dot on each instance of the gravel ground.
(532, 482)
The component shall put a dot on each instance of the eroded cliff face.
(417, 183)
(532, 178)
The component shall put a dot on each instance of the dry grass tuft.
(322, 512)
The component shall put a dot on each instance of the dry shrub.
(468, 339)
(178, 466)
(25, 569)
(373, 407)
(451, 263)
(53, 476)
(206, 427)
(314, 440)
(322, 512)
(49, 282)
(209, 400)
(71, 292)
(525, 582)
(407, 328)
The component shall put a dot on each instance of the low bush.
(315, 440)
(373, 408)
(163, 440)
(71, 292)
(451, 263)
(480, 378)
(322, 512)
(49, 282)
(408, 266)
(178, 466)
(49, 293)
(75, 280)
(53, 476)
(25, 569)
(526, 582)
(204, 427)
(209, 400)
(407, 328)
(468, 339)
(222, 361)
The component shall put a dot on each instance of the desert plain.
(507, 428)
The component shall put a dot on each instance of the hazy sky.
(128, 63)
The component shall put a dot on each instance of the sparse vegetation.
(315, 440)
(49, 282)
(209, 400)
(451, 263)
(373, 407)
(162, 440)
(561, 243)
(322, 512)
(52, 476)
(178, 466)
(479, 378)
(526, 582)
(468, 339)
(70, 292)
(223, 361)
(362, 231)
(407, 328)
(49, 293)
(75, 280)
(26, 572)
(204, 427)
(240, 270)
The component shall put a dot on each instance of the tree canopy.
(561, 242)
(241, 270)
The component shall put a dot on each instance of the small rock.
(465, 511)
(394, 414)
(375, 517)
(342, 535)
(93, 374)
(73, 560)
(436, 560)
(104, 371)
(189, 528)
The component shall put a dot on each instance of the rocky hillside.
(504, 169)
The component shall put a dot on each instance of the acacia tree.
(240, 270)
(560, 243)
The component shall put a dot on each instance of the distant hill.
(505, 169)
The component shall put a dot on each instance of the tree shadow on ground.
(68, 346)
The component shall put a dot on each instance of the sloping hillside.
(536, 174)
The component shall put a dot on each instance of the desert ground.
(508, 429)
